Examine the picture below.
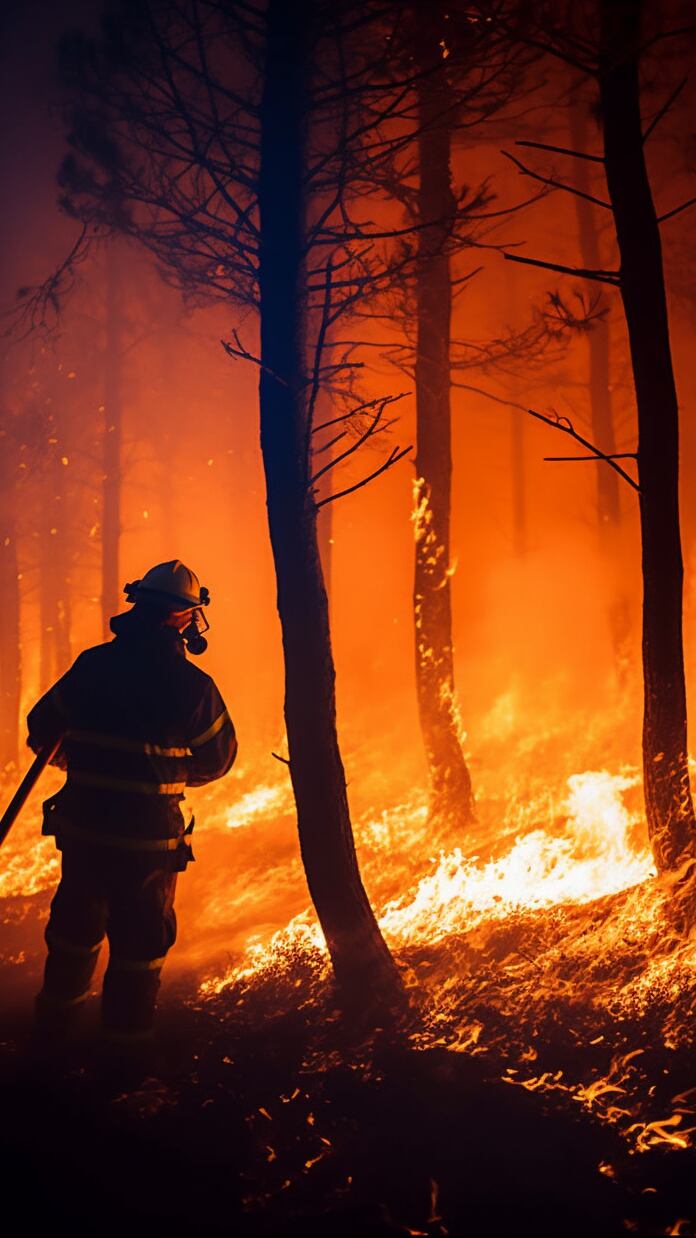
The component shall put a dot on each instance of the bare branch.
(562, 150)
(565, 425)
(603, 277)
(677, 210)
(665, 108)
(612, 455)
(367, 433)
(241, 353)
(549, 180)
(35, 302)
(394, 458)
(559, 423)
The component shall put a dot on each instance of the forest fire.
(333, 300)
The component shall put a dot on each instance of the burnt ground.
(268, 1115)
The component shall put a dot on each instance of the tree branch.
(565, 425)
(665, 108)
(677, 210)
(559, 423)
(603, 277)
(612, 455)
(394, 458)
(549, 180)
(562, 150)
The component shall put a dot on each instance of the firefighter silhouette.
(140, 723)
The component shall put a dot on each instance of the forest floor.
(546, 1084)
(261, 1113)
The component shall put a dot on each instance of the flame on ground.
(551, 926)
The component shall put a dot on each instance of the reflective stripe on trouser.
(69, 969)
(130, 897)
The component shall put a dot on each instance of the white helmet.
(172, 581)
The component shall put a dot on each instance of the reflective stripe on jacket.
(140, 724)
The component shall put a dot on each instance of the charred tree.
(113, 434)
(668, 801)
(362, 963)
(450, 782)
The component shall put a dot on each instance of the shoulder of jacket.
(89, 655)
(199, 678)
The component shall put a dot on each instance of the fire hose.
(38, 765)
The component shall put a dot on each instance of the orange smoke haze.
(552, 724)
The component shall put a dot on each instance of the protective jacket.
(141, 723)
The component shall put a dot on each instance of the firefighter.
(140, 723)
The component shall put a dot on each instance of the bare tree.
(600, 387)
(611, 51)
(197, 135)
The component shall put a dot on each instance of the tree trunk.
(601, 410)
(113, 432)
(668, 802)
(450, 783)
(10, 632)
(608, 503)
(362, 963)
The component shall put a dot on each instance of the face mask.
(193, 636)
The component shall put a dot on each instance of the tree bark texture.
(361, 960)
(10, 632)
(450, 782)
(669, 806)
(113, 434)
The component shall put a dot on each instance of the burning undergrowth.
(538, 953)
(546, 951)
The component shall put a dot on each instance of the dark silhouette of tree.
(600, 389)
(668, 799)
(196, 134)
(464, 75)
(610, 50)
(316, 768)
(451, 790)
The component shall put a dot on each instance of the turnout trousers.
(127, 899)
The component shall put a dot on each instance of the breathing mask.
(192, 634)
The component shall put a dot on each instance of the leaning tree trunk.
(113, 432)
(361, 960)
(668, 802)
(450, 783)
(10, 633)
(601, 407)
